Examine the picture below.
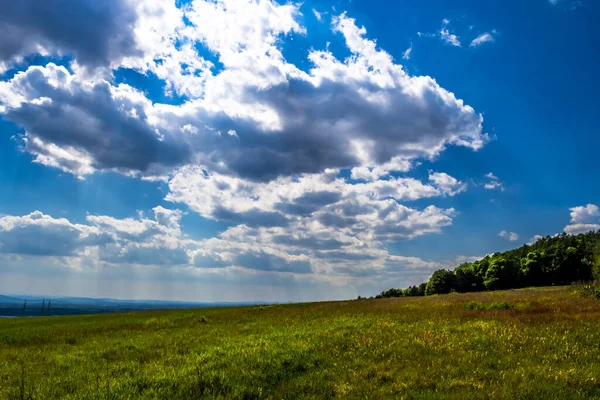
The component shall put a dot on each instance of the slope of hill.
(527, 343)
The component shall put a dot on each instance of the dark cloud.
(112, 130)
(309, 202)
(321, 123)
(94, 32)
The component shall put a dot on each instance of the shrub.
(591, 291)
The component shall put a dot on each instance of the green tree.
(531, 268)
(467, 279)
(596, 262)
(441, 282)
(501, 274)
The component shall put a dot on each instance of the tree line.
(552, 260)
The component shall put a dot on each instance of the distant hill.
(12, 306)
(7, 300)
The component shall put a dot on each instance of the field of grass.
(531, 343)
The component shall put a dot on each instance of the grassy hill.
(527, 343)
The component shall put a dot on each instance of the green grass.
(479, 306)
(545, 343)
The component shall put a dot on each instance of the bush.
(591, 291)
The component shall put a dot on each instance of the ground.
(529, 343)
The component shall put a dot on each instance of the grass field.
(532, 343)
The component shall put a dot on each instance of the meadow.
(526, 343)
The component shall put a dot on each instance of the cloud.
(447, 36)
(81, 127)
(493, 182)
(447, 184)
(103, 35)
(534, 239)
(318, 15)
(406, 55)
(269, 262)
(509, 236)
(142, 241)
(583, 214)
(583, 219)
(307, 167)
(570, 4)
(41, 235)
(215, 196)
(487, 37)
(444, 34)
(283, 117)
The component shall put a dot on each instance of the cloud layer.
(259, 117)
(307, 167)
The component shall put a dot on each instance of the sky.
(261, 150)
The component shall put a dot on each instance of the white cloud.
(407, 53)
(446, 183)
(369, 211)
(493, 182)
(318, 15)
(447, 36)
(583, 219)
(509, 236)
(583, 214)
(255, 141)
(534, 239)
(486, 37)
(281, 115)
(42, 235)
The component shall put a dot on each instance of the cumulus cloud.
(157, 241)
(42, 235)
(306, 166)
(104, 32)
(81, 127)
(326, 196)
(448, 185)
(583, 219)
(364, 111)
(509, 236)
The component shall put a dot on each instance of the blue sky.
(260, 151)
